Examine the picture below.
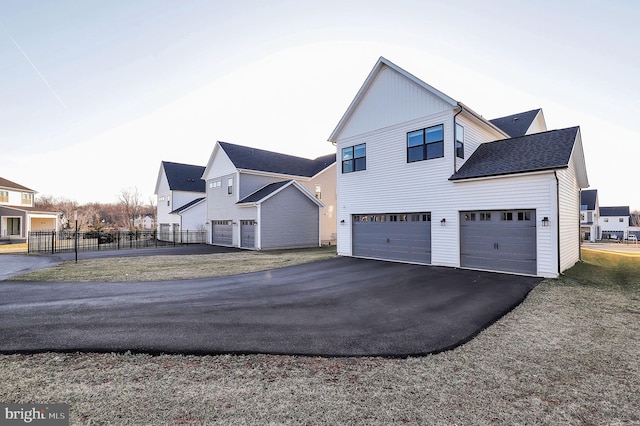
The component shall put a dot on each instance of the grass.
(176, 267)
(567, 355)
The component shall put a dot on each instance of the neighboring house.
(180, 192)
(145, 222)
(614, 222)
(589, 214)
(18, 216)
(260, 199)
(424, 179)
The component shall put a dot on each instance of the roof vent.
(515, 118)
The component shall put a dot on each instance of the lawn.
(567, 355)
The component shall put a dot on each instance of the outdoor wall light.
(443, 221)
(545, 221)
(342, 221)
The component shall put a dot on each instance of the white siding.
(569, 197)
(391, 99)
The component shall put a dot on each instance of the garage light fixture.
(545, 221)
(443, 221)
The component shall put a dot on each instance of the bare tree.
(64, 206)
(131, 202)
(635, 218)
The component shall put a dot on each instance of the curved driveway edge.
(339, 307)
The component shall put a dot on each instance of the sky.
(95, 94)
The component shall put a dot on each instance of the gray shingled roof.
(264, 192)
(588, 198)
(615, 211)
(267, 161)
(517, 124)
(184, 177)
(540, 151)
(186, 206)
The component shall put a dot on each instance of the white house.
(180, 193)
(425, 179)
(614, 222)
(589, 215)
(18, 216)
(260, 199)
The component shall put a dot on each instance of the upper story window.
(318, 192)
(425, 144)
(354, 158)
(27, 198)
(459, 141)
(4, 196)
(230, 186)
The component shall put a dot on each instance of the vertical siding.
(392, 98)
(289, 219)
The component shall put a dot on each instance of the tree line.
(127, 213)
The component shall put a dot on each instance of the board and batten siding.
(289, 220)
(391, 99)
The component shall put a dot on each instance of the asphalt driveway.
(339, 307)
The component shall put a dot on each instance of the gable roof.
(540, 151)
(6, 183)
(272, 189)
(247, 158)
(184, 177)
(588, 198)
(186, 206)
(517, 124)
(614, 211)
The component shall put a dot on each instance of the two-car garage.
(496, 240)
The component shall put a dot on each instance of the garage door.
(502, 240)
(248, 233)
(393, 236)
(222, 232)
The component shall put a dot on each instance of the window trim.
(425, 144)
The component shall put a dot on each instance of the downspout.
(455, 140)
(555, 173)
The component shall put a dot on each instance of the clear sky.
(95, 94)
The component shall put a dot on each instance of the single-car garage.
(503, 240)
(393, 236)
(247, 233)
(222, 232)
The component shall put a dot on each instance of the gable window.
(354, 158)
(4, 196)
(215, 184)
(425, 144)
(459, 141)
(230, 186)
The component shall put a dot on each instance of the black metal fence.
(67, 241)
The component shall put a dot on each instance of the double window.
(425, 144)
(354, 158)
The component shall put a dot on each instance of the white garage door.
(393, 236)
(503, 240)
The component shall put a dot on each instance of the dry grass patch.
(176, 267)
(567, 355)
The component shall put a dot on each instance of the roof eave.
(508, 174)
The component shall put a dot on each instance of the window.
(168, 200)
(230, 186)
(318, 192)
(469, 217)
(13, 225)
(524, 216)
(27, 198)
(215, 184)
(507, 216)
(425, 144)
(485, 217)
(4, 196)
(459, 141)
(354, 158)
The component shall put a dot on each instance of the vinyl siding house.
(180, 193)
(18, 216)
(589, 215)
(424, 179)
(614, 222)
(259, 199)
